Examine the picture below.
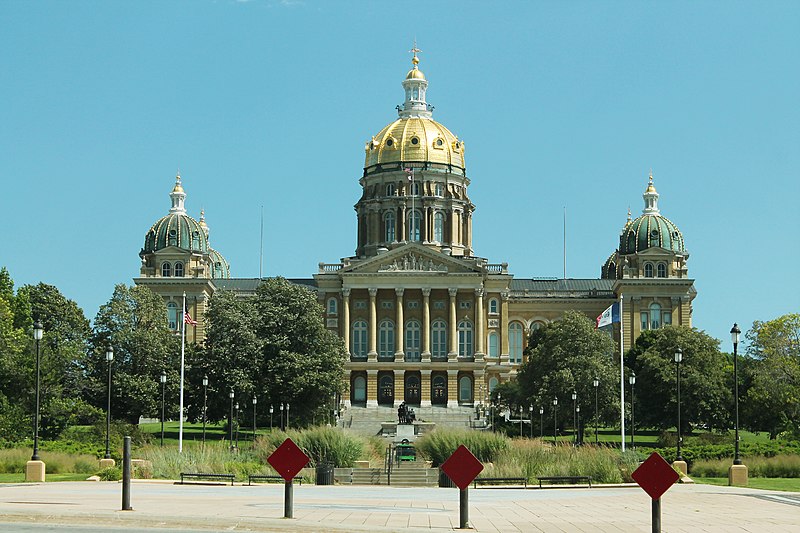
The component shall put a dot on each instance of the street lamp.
(735, 331)
(270, 417)
(632, 381)
(163, 397)
(255, 401)
(281, 422)
(596, 385)
(205, 401)
(521, 411)
(230, 420)
(678, 359)
(287, 415)
(38, 333)
(237, 425)
(578, 431)
(555, 419)
(110, 359)
(574, 416)
(541, 422)
(530, 419)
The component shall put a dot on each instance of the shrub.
(112, 473)
(787, 466)
(440, 444)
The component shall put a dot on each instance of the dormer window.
(415, 141)
(438, 143)
(389, 142)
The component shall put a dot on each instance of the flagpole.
(621, 373)
(183, 350)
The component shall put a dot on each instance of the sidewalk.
(685, 508)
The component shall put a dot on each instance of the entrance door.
(412, 388)
(386, 389)
(439, 389)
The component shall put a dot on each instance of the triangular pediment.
(413, 258)
(655, 251)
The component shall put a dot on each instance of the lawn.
(20, 477)
(766, 483)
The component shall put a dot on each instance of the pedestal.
(35, 471)
(107, 463)
(681, 467)
(737, 476)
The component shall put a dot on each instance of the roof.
(562, 288)
(249, 285)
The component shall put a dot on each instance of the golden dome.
(411, 139)
(415, 74)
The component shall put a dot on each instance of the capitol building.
(424, 318)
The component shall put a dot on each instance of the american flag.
(410, 172)
(187, 319)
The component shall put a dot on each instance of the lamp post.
(287, 415)
(270, 417)
(237, 425)
(574, 417)
(255, 401)
(230, 420)
(163, 397)
(632, 381)
(205, 401)
(541, 422)
(596, 385)
(578, 430)
(283, 428)
(38, 333)
(735, 331)
(530, 419)
(110, 359)
(678, 359)
(555, 419)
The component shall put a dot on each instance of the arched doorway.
(358, 389)
(438, 389)
(412, 388)
(386, 388)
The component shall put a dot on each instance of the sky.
(267, 104)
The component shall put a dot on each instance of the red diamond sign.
(462, 467)
(655, 476)
(288, 459)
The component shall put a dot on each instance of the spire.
(202, 222)
(415, 86)
(650, 198)
(177, 196)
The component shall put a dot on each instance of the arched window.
(438, 227)
(465, 338)
(439, 338)
(648, 270)
(412, 340)
(465, 389)
(662, 270)
(331, 306)
(438, 190)
(655, 316)
(492, 384)
(172, 315)
(414, 189)
(493, 306)
(360, 389)
(390, 189)
(388, 222)
(386, 339)
(493, 345)
(166, 269)
(515, 342)
(414, 222)
(178, 269)
(359, 343)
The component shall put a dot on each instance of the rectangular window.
(387, 304)
(645, 321)
(667, 318)
(439, 304)
(465, 305)
(412, 304)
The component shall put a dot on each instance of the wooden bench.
(254, 477)
(507, 480)
(200, 475)
(566, 479)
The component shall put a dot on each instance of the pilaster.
(452, 325)
(372, 388)
(426, 325)
(346, 320)
(373, 325)
(452, 388)
(399, 351)
(425, 389)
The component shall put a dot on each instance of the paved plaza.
(685, 508)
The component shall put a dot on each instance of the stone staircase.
(405, 474)
(369, 420)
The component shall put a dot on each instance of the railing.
(329, 267)
(502, 268)
(387, 464)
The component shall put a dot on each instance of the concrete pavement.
(685, 508)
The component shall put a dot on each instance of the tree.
(706, 394)
(566, 356)
(134, 323)
(772, 401)
(274, 345)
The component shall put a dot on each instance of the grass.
(20, 477)
(764, 483)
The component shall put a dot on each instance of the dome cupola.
(651, 229)
(177, 228)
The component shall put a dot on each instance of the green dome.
(179, 230)
(649, 231)
(220, 269)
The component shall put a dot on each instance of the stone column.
(425, 389)
(402, 237)
(480, 325)
(504, 327)
(452, 388)
(373, 326)
(453, 328)
(372, 388)
(426, 324)
(399, 388)
(399, 349)
(346, 319)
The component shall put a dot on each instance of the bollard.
(126, 475)
(657, 515)
(287, 500)
(463, 502)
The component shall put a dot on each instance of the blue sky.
(269, 103)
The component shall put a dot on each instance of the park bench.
(566, 479)
(505, 480)
(200, 475)
(254, 477)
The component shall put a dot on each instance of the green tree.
(134, 323)
(772, 400)
(706, 394)
(566, 356)
(275, 346)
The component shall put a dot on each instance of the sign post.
(655, 476)
(462, 467)
(287, 460)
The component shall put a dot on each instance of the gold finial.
(629, 213)
(202, 214)
(178, 187)
(650, 186)
(415, 51)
